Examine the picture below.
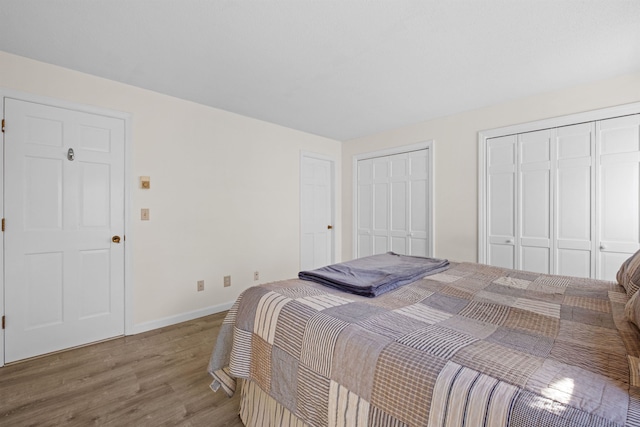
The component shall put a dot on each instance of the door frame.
(128, 226)
(554, 122)
(311, 155)
(424, 145)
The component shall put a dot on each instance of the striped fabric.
(423, 313)
(321, 333)
(264, 411)
(437, 341)
(346, 409)
(240, 358)
(472, 346)
(267, 315)
(457, 387)
(629, 274)
(320, 302)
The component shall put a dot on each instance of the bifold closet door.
(618, 198)
(501, 194)
(372, 207)
(575, 200)
(535, 202)
(393, 204)
(520, 201)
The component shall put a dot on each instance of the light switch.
(144, 214)
(145, 182)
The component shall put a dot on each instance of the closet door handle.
(510, 241)
(603, 247)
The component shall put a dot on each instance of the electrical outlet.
(144, 214)
(200, 285)
(227, 281)
(256, 275)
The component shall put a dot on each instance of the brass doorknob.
(115, 239)
(329, 227)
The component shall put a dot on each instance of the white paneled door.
(618, 193)
(393, 204)
(575, 200)
(64, 243)
(316, 212)
(501, 191)
(534, 194)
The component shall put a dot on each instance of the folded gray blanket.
(374, 275)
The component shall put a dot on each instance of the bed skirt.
(258, 409)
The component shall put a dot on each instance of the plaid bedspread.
(474, 346)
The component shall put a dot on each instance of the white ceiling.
(340, 69)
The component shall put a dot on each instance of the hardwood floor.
(157, 378)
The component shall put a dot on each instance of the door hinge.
(2, 321)
(3, 225)
(2, 125)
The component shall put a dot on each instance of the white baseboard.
(182, 317)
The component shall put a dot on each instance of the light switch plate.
(144, 214)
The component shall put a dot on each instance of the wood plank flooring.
(157, 378)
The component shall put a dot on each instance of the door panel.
(574, 262)
(94, 194)
(96, 282)
(43, 193)
(502, 255)
(64, 277)
(535, 259)
(44, 281)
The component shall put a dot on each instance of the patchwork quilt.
(472, 346)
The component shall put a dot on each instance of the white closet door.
(501, 167)
(381, 205)
(575, 200)
(399, 206)
(393, 204)
(618, 178)
(418, 208)
(534, 201)
(364, 207)
(373, 226)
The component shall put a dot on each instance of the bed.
(473, 345)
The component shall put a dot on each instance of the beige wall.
(224, 188)
(224, 197)
(456, 159)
